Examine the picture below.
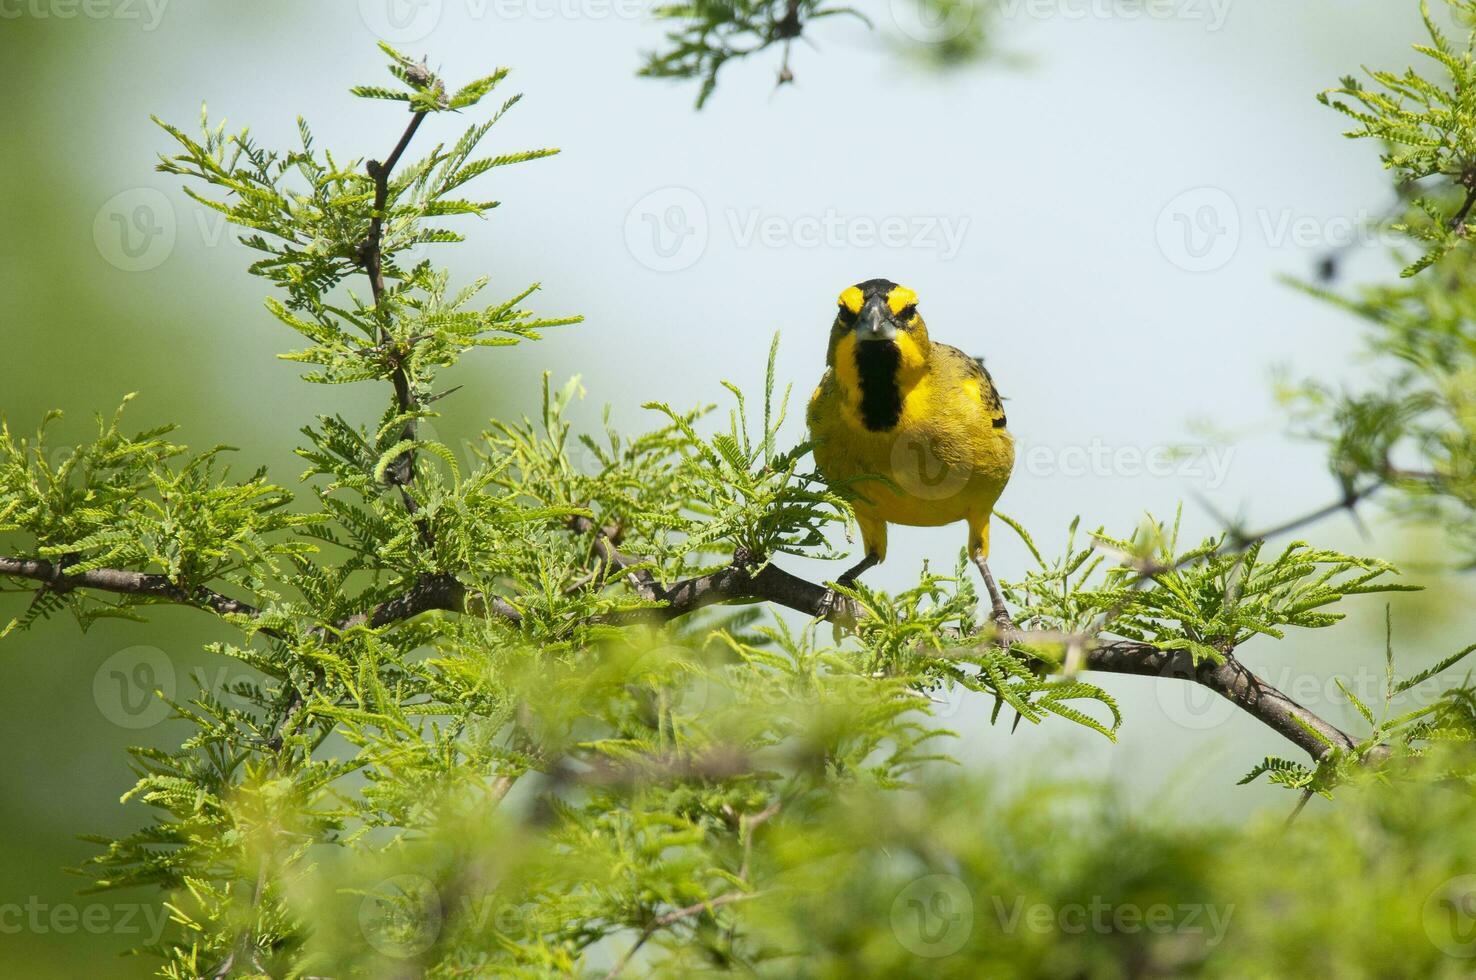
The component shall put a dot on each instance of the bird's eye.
(907, 313)
(845, 315)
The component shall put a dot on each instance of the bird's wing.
(971, 370)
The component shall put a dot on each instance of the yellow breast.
(945, 459)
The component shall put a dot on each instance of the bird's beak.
(874, 323)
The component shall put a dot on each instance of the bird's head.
(879, 311)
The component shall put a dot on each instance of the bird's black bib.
(881, 397)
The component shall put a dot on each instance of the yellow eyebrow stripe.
(900, 298)
(852, 299)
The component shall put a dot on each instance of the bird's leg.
(999, 613)
(1003, 624)
(850, 575)
(832, 603)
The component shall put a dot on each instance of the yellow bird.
(924, 416)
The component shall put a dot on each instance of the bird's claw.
(1003, 624)
(840, 609)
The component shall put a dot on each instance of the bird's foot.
(1004, 626)
(840, 609)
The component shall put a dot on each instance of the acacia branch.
(401, 472)
(1231, 680)
(55, 578)
(673, 917)
(743, 580)
(431, 592)
(1458, 220)
(371, 257)
(1349, 502)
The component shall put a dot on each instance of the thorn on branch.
(1467, 180)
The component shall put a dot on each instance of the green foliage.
(1051, 893)
(1411, 425)
(1427, 128)
(1408, 426)
(739, 490)
(928, 633)
(705, 35)
(480, 735)
(1442, 730)
(953, 33)
(1207, 601)
(139, 501)
(710, 33)
(959, 878)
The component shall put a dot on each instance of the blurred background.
(1103, 214)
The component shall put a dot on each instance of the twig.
(402, 471)
(1235, 542)
(1458, 222)
(371, 256)
(1231, 680)
(676, 916)
(1351, 498)
(54, 577)
(1301, 803)
(787, 28)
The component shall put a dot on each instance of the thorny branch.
(673, 917)
(371, 257)
(745, 579)
(402, 471)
